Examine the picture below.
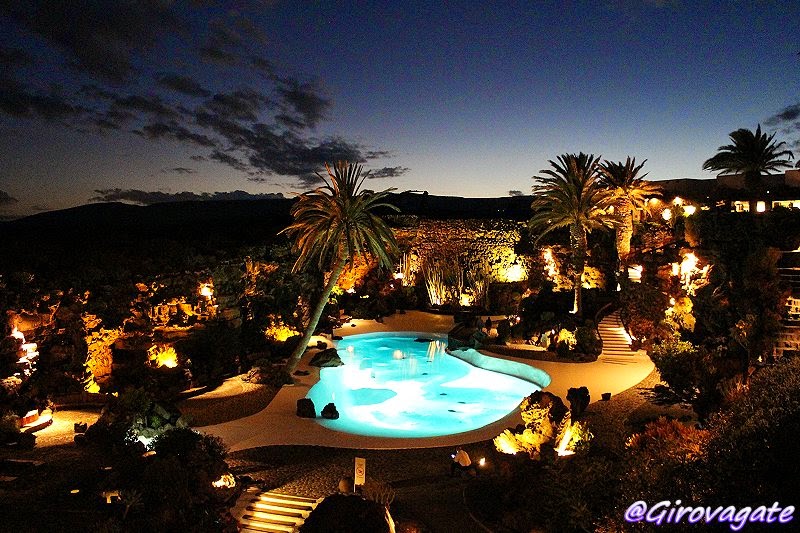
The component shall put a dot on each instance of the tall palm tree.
(332, 225)
(630, 192)
(752, 155)
(569, 195)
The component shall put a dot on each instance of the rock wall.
(491, 242)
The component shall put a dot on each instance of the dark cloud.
(377, 154)
(387, 172)
(183, 84)
(171, 129)
(178, 170)
(156, 197)
(152, 105)
(17, 101)
(239, 105)
(218, 56)
(264, 65)
(515, 193)
(304, 99)
(14, 58)
(96, 92)
(99, 38)
(110, 51)
(6, 199)
(786, 115)
(228, 159)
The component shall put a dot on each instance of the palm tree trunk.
(298, 352)
(623, 237)
(577, 237)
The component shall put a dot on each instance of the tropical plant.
(631, 193)
(569, 195)
(752, 155)
(332, 225)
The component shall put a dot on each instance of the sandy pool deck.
(277, 424)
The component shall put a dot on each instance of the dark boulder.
(305, 408)
(578, 399)
(326, 358)
(330, 412)
(547, 399)
(345, 513)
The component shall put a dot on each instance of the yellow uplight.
(206, 290)
(761, 207)
(465, 300)
(678, 200)
(164, 356)
(689, 210)
(225, 481)
(515, 272)
(562, 446)
(666, 214)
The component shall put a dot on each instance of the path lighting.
(206, 290)
(226, 481)
(562, 446)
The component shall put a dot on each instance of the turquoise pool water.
(391, 385)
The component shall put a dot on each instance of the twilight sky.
(144, 99)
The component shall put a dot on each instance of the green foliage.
(663, 462)
(9, 426)
(212, 351)
(677, 361)
(754, 443)
(543, 414)
(587, 340)
(565, 496)
(503, 331)
(642, 310)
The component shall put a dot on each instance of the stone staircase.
(272, 512)
(616, 341)
(789, 337)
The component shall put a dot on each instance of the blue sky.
(454, 98)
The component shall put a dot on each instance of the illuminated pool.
(393, 385)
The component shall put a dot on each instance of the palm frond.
(337, 220)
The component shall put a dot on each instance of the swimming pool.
(406, 385)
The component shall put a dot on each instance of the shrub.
(754, 443)
(677, 361)
(587, 340)
(663, 463)
(642, 310)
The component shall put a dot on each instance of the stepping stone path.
(272, 512)
(615, 339)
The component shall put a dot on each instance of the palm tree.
(630, 192)
(752, 155)
(570, 196)
(332, 225)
